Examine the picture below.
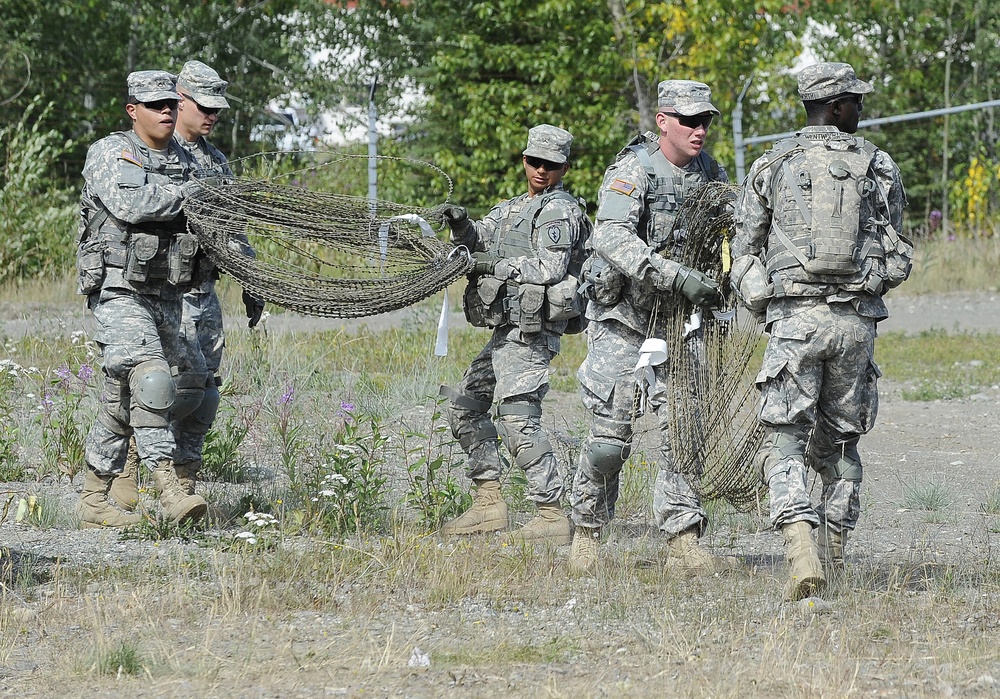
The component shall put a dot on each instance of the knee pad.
(780, 444)
(191, 388)
(844, 465)
(153, 391)
(113, 412)
(606, 456)
(204, 415)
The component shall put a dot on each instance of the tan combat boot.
(550, 524)
(125, 485)
(805, 573)
(487, 514)
(187, 475)
(689, 557)
(830, 544)
(177, 505)
(95, 509)
(583, 554)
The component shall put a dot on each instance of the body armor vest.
(147, 252)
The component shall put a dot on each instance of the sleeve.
(753, 211)
(891, 182)
(115, 174)
(620, 204)
(556, 230)
(481, 233)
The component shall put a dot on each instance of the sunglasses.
(158, 105)
(207, 111)
(859, 99)
(538, 163)
(692, 122)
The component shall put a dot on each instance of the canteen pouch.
(142, 249)
(490, 292)
(181, 258)
(563, 301)
(531, 299)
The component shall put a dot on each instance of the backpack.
(820, 199)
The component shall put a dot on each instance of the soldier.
(632, 274)
(816, 245)
(523, 250)
(134, 261)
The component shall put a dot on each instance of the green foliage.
(63, 426)
(37, 224)
(433, 490)
(11, 469)
(221, 457)
(123, 659)
(347, 491)
(932, 497)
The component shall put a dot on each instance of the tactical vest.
(490, 302)
(825, 229)
(667, 186)
(147, 253)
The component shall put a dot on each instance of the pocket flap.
(145, 246)
(489, 288)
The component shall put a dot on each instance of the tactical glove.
(483, 263)
(254, 306)
(698, 288)
(456, 216)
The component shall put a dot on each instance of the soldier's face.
(195, 120)
(682, 137)
(154, 122)
(542, 174)
(847, 112)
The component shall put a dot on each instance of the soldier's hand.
(483, 263)
(698, 288)
(254, 306)
(456, 216)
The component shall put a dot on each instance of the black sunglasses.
(158, 105)
(207, 111)
(858, 99)
(692, 122)
(537, 163)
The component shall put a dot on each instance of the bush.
(37, 228)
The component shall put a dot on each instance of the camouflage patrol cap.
(203, 84)
(823, 80)
(548, 143)
(686, 97)
(152, 85)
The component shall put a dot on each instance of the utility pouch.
(749, 279)
(181, 258)
(472, 305)
(491, 297)
(142, 249)
(89, 267)
(531, 299)
(563, 301)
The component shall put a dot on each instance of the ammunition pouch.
(526, 308)
(749, 281)
(181, 263)
(145, 258)
(89, 266)
(483, 302)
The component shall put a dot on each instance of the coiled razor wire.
(713, 426)
(320, 253)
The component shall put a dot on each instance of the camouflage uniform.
(640, 272)
(513, 367)
(818, 379)
(202, 333)
(130, 187)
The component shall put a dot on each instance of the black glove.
(456, 216)
(254, 308)
(483, 263)
(698, 288)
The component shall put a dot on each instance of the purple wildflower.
(64, 373)
(286, 397)
(346, 408)
(86, 373)
(47, 403)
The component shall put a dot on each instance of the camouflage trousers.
(608, 387)
(202, 340)
(512, 370)
(819, 394)
(131, 329)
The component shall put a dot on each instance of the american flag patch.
(622, 187)
(129, 158)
